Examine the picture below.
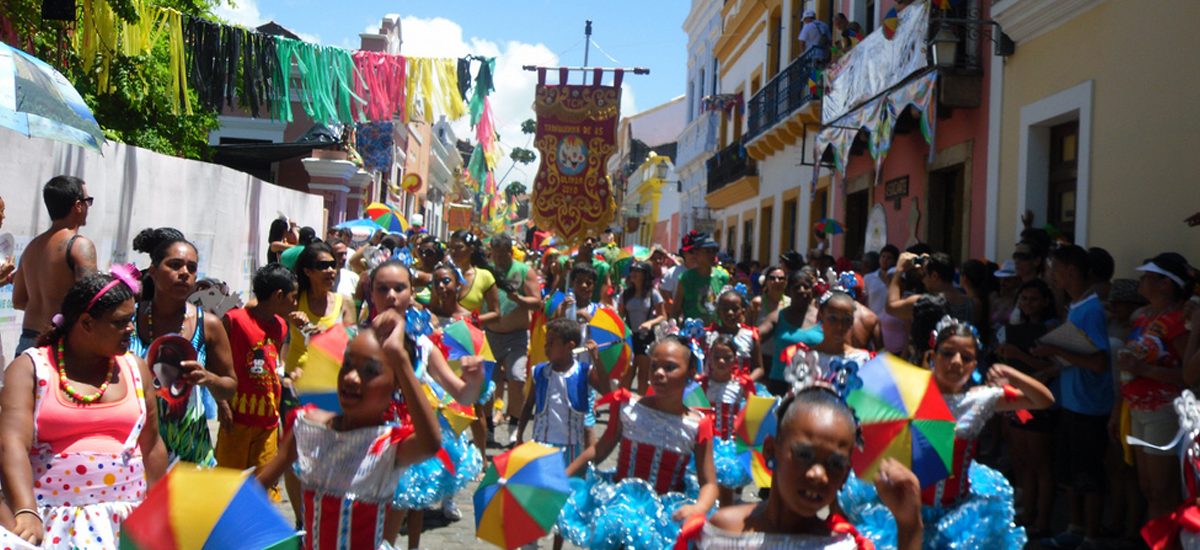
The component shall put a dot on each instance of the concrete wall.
(1138, 58)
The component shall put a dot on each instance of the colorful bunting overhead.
(217, 63)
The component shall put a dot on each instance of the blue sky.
(645, 33)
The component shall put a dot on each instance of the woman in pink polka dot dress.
(80, 440)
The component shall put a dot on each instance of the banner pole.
(633, 70)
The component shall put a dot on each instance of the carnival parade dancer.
(655, 436)
(834, 359)
(973, 507)
(726, 389)
(437, 479)
(80, 425)
(349, 463)
(731, 313)
(560, 405)
(811, 455)
(163, 309)
(1176, 529)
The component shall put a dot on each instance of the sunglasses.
(1022, 256)
(88, 200)
(330, 264)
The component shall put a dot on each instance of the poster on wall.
(458, 216)
(576, 133)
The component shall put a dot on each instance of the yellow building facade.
(1094, 126)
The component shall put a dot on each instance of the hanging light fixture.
(944, 47)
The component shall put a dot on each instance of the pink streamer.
(381, 83)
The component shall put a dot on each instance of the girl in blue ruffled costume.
(655, 436)
(973, 507)
(437, 479)
(811, 454)
(726, 391)
(349, 463)
(834, 359)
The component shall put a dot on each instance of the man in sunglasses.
(54, 260)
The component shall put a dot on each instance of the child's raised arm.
(268, 474)
(427, 435)
(1030, 394)
(464, 389)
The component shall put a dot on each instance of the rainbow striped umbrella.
(903, 416)
(462, 339)
(194, 509)
(694, 396)
(322, 362)
(609, 332)
(521, 495)
(390, 219)
(754, 424)
(891, 21)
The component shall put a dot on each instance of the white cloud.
(245, 13)
(512, 101)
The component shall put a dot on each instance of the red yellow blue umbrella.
(202, 509)
(903, 416)
(521, 495)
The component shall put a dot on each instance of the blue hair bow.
(417, 323)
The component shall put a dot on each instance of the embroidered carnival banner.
(576, 133)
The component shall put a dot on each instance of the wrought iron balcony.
(783, 94)
(729, 165)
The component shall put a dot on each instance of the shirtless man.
(508, 335)
(54, 260)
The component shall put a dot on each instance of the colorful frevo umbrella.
(613, 339)
(388, 218)
(694, 397)
(521, 495)
(891, 20)
(459, 416)
(829, 226)
(903, 416)
(318, 384)
(193, 509)
(462, 339)
(753, 426)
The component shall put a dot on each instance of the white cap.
(1007, 269)
(417, 219)
(809, 13)
(1151, 267)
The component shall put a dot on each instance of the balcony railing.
(729, 165)
(784, 93)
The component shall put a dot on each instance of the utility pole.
(587, 41)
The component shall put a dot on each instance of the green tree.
(522, 155)
(137, 110)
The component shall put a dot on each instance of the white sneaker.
(512, 435)
(450, 510)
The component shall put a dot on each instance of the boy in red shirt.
(249, 420)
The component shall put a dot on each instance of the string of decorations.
(218, 64)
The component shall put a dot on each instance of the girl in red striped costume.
(655, 437)
(349, 463)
